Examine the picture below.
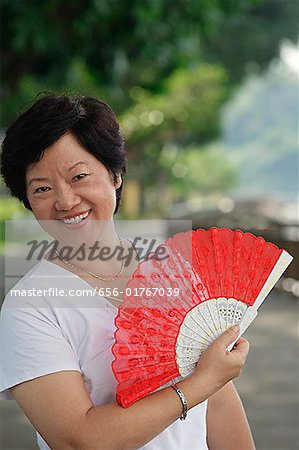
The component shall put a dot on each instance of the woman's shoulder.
(30, 286)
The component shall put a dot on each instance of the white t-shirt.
(45, 332)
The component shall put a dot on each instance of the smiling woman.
(64, 159)
(89, 121)
(81, 182)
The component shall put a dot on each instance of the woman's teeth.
(76, 219)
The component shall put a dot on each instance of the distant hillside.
(260, 135)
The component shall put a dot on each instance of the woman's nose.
(66, 199)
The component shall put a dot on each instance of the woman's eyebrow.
(36, 179)
(77, 164)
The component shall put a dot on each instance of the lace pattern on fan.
(201, 326)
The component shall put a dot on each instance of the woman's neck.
(103, 256)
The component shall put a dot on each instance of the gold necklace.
(91, 273)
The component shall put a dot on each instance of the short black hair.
(91, 121)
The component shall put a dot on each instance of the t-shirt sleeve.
(31, 345)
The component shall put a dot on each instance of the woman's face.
(71, 186)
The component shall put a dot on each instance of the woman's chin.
(88, 232)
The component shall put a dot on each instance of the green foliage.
(119, 44)
(198, 170)
(166, 133)
(10, 207)
(165, 67)
(192, 173)
(186, 111)
(245, 43)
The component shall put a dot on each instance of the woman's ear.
(118, 182)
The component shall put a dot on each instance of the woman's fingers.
(241, 346)
(221, 365)
(229, 336)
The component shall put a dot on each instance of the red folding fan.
(177, 304)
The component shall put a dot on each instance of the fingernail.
(236, 328)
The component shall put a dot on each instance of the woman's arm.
(227, 425)
(61, 410)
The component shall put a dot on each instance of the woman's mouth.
(78, 218)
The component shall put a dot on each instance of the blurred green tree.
(149, 61)
(121, 44)
(166, 135)
(245, 43)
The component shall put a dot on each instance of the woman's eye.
(80, 176)
(41, 189)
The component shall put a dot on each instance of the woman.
(64, 159)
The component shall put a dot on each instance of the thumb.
(230, 335)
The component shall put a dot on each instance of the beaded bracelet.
(183, 400)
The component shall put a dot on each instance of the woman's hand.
(217, 366)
